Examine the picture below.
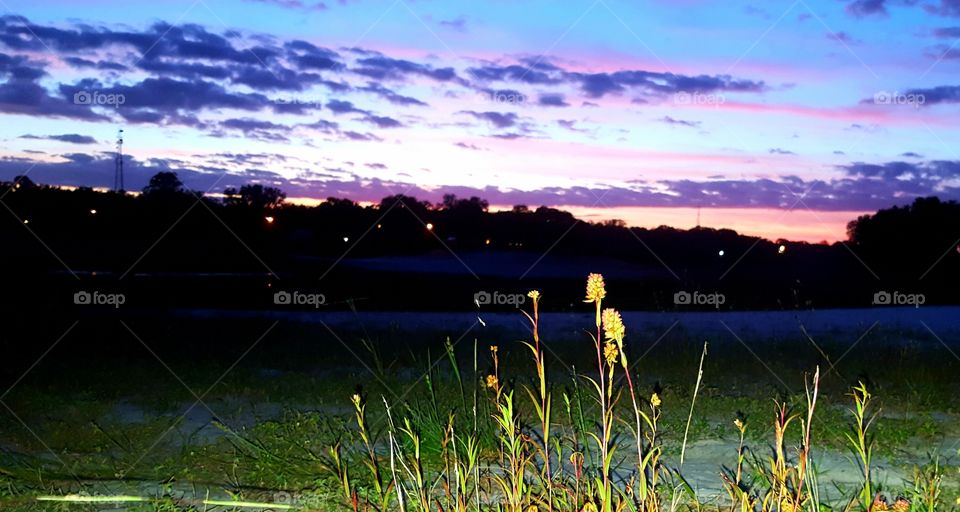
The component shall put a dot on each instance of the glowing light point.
(487, 241)
(782, 249)
(379, 226)
(93, 212)
(429, 226)
(721, 253)
(26, 221)
(269, 220)
(346, 239)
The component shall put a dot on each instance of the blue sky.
(783, 119)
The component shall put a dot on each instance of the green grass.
(295, 437)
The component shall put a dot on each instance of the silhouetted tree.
(164, 183)
(256, 197)
(400, 201)
(336, 202)
(464, 206)
(23, 182)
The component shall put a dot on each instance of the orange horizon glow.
(797, 225)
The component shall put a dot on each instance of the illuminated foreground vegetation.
(500, 432)
(567, 456)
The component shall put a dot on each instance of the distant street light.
(429, 226)
(782, 249)
(721, 252)
(93, 212)
(346, 239)
(269, 219)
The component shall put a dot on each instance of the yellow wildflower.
(739, 424)
(613, 326)
(595, 288)
(610, 353)
(655, 400)
(879, 504)
(494, 349)
(356, 399)
(901, 505)
(533, 294)
(492, 381)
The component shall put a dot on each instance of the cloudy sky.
(777, 118)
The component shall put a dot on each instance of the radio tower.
(118, 172)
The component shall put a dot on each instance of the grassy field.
(367, 421)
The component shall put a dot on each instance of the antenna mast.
(118, 171)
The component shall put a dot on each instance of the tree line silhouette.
(168, 229)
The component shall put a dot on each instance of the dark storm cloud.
(275, 79)
(679, 122)
(343, 107)
(250, 125)
(941, 94)
(189, 70)
(950, 8)
(192, 71)
(160, 40)
(864, 8)
(21, 93)
(167, 94)
(385, 68)
(390, 95)
(947, 32)
(293, 4)
(72, 138)
(497, 119)
(310, 56)
(382, 121)
(596, 85)
(357, 136)
(458, 24)
(862, 187)
(552, 100)
(513, 73)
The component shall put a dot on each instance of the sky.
(779, 119)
